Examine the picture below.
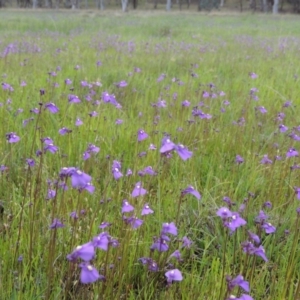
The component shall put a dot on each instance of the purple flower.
(186, 243)
(56, 224)
(78, 122)
(253, 75)
(185, 103)
(51, 148)
(93, 114)
(73, 99)
(177, 255)
(30, 162)
(12, 137)
(51, 107)
(138, 190)
(160, 244)
(161, 77)
(297, 192)
(255, 238)
(104, 225)
(68, 81)
(224, 213)
(261, 217)
(102, 241)
(51, 194)
(152, 147)
(190, 190)
(265, 160)
(118, 122)
(148, 170)
(146, 210)
(239, 159)
(126, 207)
(243, 297)
(134, 222)
(250, 249)
(64, 131)
(141, 135)
(86, 252)
(183, 152)
(121, 84)
(167, 145)
(3, 168)
(262, 109)
(283, 128)
(129, 172)
(292, 152)
(235, 222)
(173, 275)
(152, 265)
(116, 173)
(169, 228)
(88, 187)
(269, 228)
(80, 179)
(89, 274)
(238, 281)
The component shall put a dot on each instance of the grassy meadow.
(192, 118)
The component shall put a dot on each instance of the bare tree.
(168, 5)
(275, 6)
(124, 5)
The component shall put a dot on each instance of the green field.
(226, 87)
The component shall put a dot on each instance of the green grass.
(226, 49)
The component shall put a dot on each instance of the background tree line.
(274, 6)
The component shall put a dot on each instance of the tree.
(124, 5)
(275, 6)
(168, 5)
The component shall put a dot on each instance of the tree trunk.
(155, 4)
(74, 4)
(101, 4)
(253, 5)
(221, 3)
(168, 5)
(124, 5)
(265, 6)
(34, 4)
(134, 3)
(275, 6)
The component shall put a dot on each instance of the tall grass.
(197, 54)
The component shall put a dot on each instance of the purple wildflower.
(78, 122)
(146, 210)
(265, 160)
(80, 179)
(64, 131)
(102, 241)
(142, 135)
(173, 275)
(86, 252)
(126, 207)
(239, 159)
(12, 137)
(89, 274)
(190, 190)
(51, 107)
(238, 281)
(167, 145)
(56, 224)
(73, 99)
(169, 228)
(292, 152)
(138, 190)
(183, 152)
